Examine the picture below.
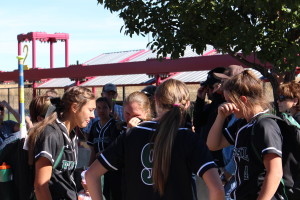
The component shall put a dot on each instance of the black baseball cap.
(211, 79)
(149, 90)
(109, 87)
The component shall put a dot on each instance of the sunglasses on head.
(282, 98)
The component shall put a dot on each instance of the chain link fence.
(11, 95)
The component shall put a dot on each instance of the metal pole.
(8, 101)
(23, 130)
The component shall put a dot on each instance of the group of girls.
(157, 156)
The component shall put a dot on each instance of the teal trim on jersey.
(291, 120)
(59, 157)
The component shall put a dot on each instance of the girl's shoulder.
(53, 130)
(266, 122)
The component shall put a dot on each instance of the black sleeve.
(230, 132)
(267, 137)
(200, 157)
(48, 144)
(112, 158)
(199, 116)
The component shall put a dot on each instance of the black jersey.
(101, 137)
(133, 152)
(250, 170)
(49, 145)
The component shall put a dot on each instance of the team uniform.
(100, 138)
(250, 170)
(133, 152)
(6, 130)
(48, 145)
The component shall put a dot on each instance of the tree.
(270, 29)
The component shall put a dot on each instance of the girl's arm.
(43, 172)
(92, 155)
(273, 165)
(11, 110)
(214, 184)
(215, 139)
(93, 179)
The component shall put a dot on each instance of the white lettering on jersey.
(241, 153)
(69, 165)
(147, 161)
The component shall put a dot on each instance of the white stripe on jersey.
(44, 152)
(108, 162)
(146, 128)
(269, 148)
(229, 134)
(212, 162)
(153, 129)
(153, 122)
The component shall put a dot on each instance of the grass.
(10, 117)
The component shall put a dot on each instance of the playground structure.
(159, 69)
(82, 74)
(44, 37)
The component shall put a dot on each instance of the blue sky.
(93, 30)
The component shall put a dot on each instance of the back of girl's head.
(172, 97)
(290, 90)
(172, 92)
(248, 85)
(38, 107)
(104, 100)
(142, 100)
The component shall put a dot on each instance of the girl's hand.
(202, 91)
(84, 185)
(133, 122)
(227, 109)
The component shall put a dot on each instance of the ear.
(40, 118)
(74, 107)
(187, 105)
(243, 99)
(116, 96)
(295, 100)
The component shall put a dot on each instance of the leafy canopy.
(270, 28)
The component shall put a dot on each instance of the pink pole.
(157, 80)
(77, 82)
(51, 55)
(34, 85)
(19, 48)
(33, 53)
(67, 52)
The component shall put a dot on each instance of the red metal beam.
(143, 67)
(43, 36)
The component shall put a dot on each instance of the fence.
(10, 94)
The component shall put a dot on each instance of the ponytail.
(163, 145)
(172, 96)
(34, 134)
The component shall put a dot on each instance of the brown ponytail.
(173, 96)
